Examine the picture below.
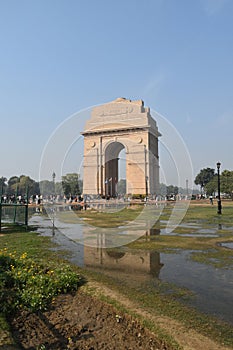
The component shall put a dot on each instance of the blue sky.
(58, 57)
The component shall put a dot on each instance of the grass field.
(207, 250)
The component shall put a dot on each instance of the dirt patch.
(81, 322)
(187, 338)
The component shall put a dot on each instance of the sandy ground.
(81, 321)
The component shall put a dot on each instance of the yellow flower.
(23, 256)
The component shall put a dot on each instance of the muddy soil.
(81, 321)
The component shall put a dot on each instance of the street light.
(53, 198)
(219, 198)
(147, 187)
(53, 176)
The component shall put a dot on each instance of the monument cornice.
(115, 131)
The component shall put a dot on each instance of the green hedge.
(29, 284)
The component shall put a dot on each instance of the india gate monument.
(114, 126)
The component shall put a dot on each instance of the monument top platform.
(125, 100)
(121, 113)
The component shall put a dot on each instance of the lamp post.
(53, 176)
(147, 187)
(219, 198)
(53, 198)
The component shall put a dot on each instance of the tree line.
(207, 178)
(164, 190)
(71, 185)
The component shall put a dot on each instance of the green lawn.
(166, 299)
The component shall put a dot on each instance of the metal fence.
(13, 213)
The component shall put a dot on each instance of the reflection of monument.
(153, 232)
(117, 261)
(123, 261)
(121, 124)
(105, 249)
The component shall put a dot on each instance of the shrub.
(30, 284)
(138, 196)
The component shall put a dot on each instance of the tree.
(70, 184)
(227, 182)
(59, 189)
(204, 177)
(3, 184)
(121, 186)
(22, 185)
(172, 190)
(80, 184)
(26, 184)
(46, 187)
(12, 185)
(163, 189)
(212, 186)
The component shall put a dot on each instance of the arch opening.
(111, 166)
(122, 182)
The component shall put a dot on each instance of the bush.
(138, 196)
(25, 283)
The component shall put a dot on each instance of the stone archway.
(111, 173)
(113, 126)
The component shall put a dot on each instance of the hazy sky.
(59, 57)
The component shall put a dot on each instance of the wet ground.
(211, 287)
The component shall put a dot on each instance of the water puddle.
(195, 230)
(212, 288)
(197, 235)
(227, 245)
(206, 231)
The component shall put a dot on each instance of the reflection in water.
(80, 230)
(155, 264)
(227, 245)
(153, 231)
(121, 261)
(15, 213)
(212, 287)
(141, 269)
